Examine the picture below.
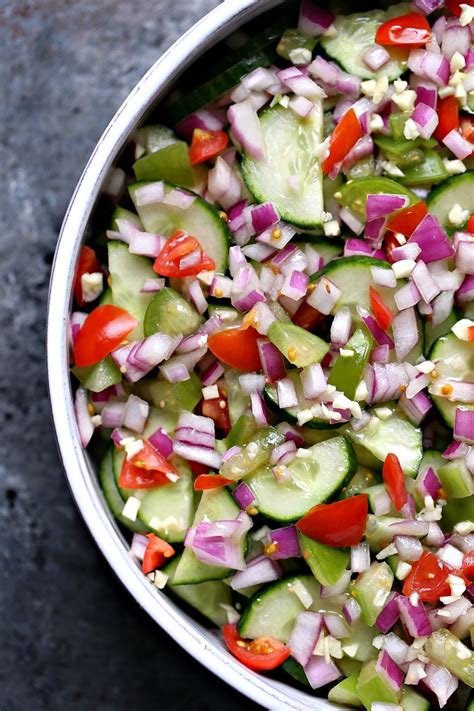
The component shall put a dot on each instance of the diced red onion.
(314, 20)
(336, 625)
(430, 66)
(375, 57)
(441, 682)
(212, 374)
(136, 414)
(464, 425)
(286, 541)
(409, 548)
(382, 503)
(380, 205)
(260, 570)
(426, 119)
(305, 635)
(426, 92)
(161, 441)
(151, 286)
(263, 317)
(428, 483)
(465, 293)
(139, 545)
(424, 282)
(414, 617)
(197, 296)
(291, 434)
(205, 119)
(388, 670)
(351, 610)
(112, 414)
(217, 542)
(432, 239)
(244, 496)
(455, 450)
(451, 556)
(259, 410)
(295, 285)
(457, 144)
(405, 332)
(325, 296)
(353, 247)
(301, 106)
(378, 333)
(179, 198)
(380, 354)
(341, 327)
(465, 257)
(246, 129)
(390, 613)
(203, 455)
(442, 307)
(273, 364)
(435, 536)
(150, 194)
(409, 528)
(314, 381)
(84, 420)
(383, 277)
(281, 451)
(251, 383)
(286, 394)
(417, 408)
(270, 236)
(396, 648)
(360, 558)
(261, 217)
(407, 296)
(320, 672)
(188, 420)
(351, 221)
(456, 39)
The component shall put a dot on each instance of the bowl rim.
(195, 639)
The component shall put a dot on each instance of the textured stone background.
(71, 638)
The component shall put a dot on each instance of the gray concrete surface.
(71, 638)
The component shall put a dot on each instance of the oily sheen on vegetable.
(275, 350)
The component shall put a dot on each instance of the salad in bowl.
(272, 346)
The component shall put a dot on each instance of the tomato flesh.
(407, 30)
(308, 317)
(237, 347)
(211, 481)
(102, 332)
(380, 310)
(218, 410)
(343, 138)
(87, 264)
(340, 524)
(454, 6)
(468, 565)
(428, 578)
(147, 469)
(177, 247)
(394, 480)
(206, 145)
(407, 220)
(448, 117)
(156, 553)
(261, 654)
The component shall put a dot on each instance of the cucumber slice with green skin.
(294, 39)
(456, 360)
(431, 458)
(128, 273)
(354, 194)
(456, 511)
(327, 564)
(345, 692)
(106, 297)
(459, 189)
(372, 687)
(290, 415)
(272, 611)
(237, 402)
(295, 670)
(315, 436)
(430, 171)
(230, 316)
(432, 333)
(411, 701)
(98, 377)
(155, 136)
(298, 346)
(243, 429)
(456, 479)
(347, 372)
(362, 636)
(362, 479)
(171, 398)
(112, 494)
(201, 220)
(349, 666)
(290, 143)
(369, 589)
(120, 213)
(396, 435)
(373, 492)
(378, 533)
(172, 164)
(215, 505)
(206, 598)
(314, 480)
(254, 455)
(354, 34)
(446, 650)
(169, 312)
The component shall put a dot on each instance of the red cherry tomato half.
(210, 481)
(156, 553)
(339, 524)
(261, 654)
(102, 332)
(147, 469)
(207, 145)
(454, 6)
(428, 578)
(87, 264)
(180, 245)
(468, 565)
(407, 220)
(410, 29)
(237, 347)
(470, 225)
(380, 310)
(308, 317)
(394, 480)
(343, 138)
(448, 117)
(218, 410)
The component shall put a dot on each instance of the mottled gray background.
(71, 638)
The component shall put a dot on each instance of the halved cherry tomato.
(198, 468)
(380, 310)
(147, 469)
(410, 29)
(178, 246)
(394, 480)
(156, 552)
(407, 220)
(207, 145)
(339, 524)
(466, 124)
(87, 264)
(261, 654)
(102, 332)
(210, 481)
(470, 334)
(470, 225)
(454, 6)
(468, 565)
(428, 578)
(237, 347)
(307, 317)
(343, 138)
(218, 410)
(448, 117)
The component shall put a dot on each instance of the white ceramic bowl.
(203, 645)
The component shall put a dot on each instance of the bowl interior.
(85, 212)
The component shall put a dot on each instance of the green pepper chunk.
(241, 431)
(445, 649)
(326, 563)
(430, 170)
(300, 347)
(100, 376)
(168, 312)
(347, 371)
(372, 687)
(170, 163)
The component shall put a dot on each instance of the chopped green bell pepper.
(347, 371)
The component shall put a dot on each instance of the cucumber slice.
(272, 611)
(432, 333)
(363, 636)
(411, 701)
(367, 591)
(290, 148)
(201, 220)
(254, 455)
(298, 346)
(155, 136)
(207, 598)
(456, 479)
(112, 494)
(120, 213)
(128, 273)
(459, 189)
(378, 533)
(354, 34)
(345, 692)
(314, 479)
(362, 479)
(349, 666)
(354, 194)
(455, 511)
(242, 430)
(326, 563)
(291, 413)
(169, 312)
(98, 377)
(215, 505)
(396, 435)
(456, 360)
(170, 398)
(237, 401)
